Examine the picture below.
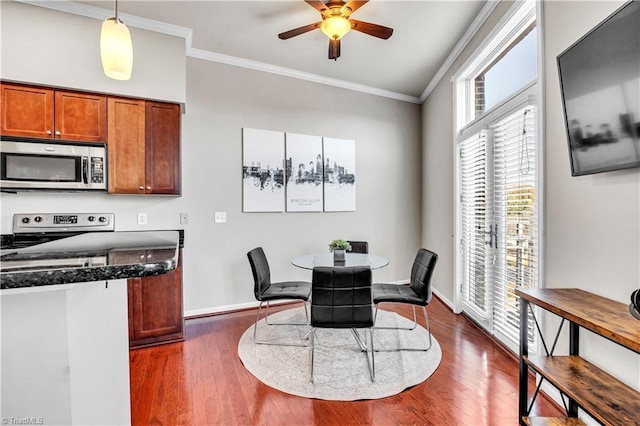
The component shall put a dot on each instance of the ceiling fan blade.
(297, 31)
(354, 5)
(371, 29)
(334, 49)
(317, 5)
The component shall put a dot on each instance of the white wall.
(54, 48)
(438, 167)
(220, 101)
(592, 223)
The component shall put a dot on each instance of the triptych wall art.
(299, 173)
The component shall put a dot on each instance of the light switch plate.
(220, 217)
(184, 218)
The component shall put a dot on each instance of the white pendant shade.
(116, 49)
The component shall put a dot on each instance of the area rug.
(341, 372)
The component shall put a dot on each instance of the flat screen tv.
(600, 83)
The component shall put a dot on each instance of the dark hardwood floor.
(201, 381)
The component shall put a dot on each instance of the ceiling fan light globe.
(116, 49)
(335, 27)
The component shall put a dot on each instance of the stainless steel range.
(31, 229)
(35, 228)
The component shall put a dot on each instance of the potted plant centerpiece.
(339, 248)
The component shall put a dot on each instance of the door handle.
(85, 169)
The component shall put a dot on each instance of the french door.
(497, 216)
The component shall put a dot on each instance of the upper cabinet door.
(126, 146)
(162, 148)
(80, 116)
(26, 111)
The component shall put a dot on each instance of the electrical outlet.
(184, 218)
(220, 217)
(142, 218)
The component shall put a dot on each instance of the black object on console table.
(90, 257)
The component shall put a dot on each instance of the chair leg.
(364, 347)
(311, 352)
(427, 325)
(415, 321)
(373, 360)
(306, 313)
(266, 320)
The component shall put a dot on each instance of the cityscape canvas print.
(304, 173)
(339, 175)
(262, 171)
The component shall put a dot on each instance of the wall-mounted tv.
(600, 82)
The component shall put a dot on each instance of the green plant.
(339, 244)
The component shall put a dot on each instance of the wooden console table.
(601, 395)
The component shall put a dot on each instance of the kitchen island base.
(65, 354)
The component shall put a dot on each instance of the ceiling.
(425, 32)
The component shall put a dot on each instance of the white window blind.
(473, 205)
(515, 218)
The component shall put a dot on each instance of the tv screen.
(600, 82)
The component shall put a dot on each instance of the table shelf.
(601, 395)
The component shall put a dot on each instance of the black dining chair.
(267, 291)
(417, 293)
(341, 298)
(359, 246)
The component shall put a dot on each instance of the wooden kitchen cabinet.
(46, 113)
(162, 148)
(155, 308)
(144, 147)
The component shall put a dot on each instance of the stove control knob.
(25, 220)
(91, 218)
(102, 219)
(38, 219)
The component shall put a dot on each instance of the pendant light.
(116, 49)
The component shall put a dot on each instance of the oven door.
(52, 166)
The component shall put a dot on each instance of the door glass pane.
(515, 196)
(41, 168)
(473, 201)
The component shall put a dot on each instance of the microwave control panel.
(97, 169)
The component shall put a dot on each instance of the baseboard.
(196, 313)
(443, 299)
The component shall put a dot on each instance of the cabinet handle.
(148, 188)
(142, 256)
(48, 132)
(57, 132)
(141, 188)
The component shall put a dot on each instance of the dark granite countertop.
(90, 257)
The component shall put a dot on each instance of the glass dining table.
(309, 261)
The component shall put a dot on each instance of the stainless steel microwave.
(32, 164)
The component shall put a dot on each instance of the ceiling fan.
(336, 23)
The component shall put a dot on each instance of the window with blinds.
(497, 214)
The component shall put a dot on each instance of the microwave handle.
(85, 169)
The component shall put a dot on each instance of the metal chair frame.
(363, 344)
(355, 285)
(415, 324)
(266, 321)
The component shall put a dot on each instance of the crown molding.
(95, 12)
(462, 43)
(301, 75)
(89, 11)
